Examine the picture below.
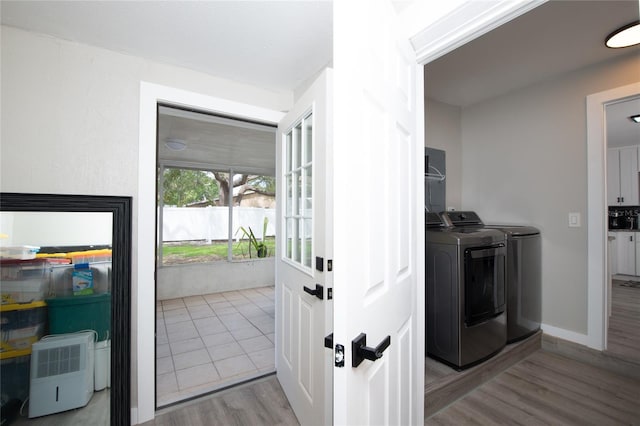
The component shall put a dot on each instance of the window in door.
(298, 178)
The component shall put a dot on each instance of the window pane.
(308, 246)
(308, 126)
(298, 145)
(195, 220)
(297, 237)
(289, 154)
(289, 238)
(309, 192)
(289, 192)
(298, 192)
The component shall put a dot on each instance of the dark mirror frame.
(120, 207)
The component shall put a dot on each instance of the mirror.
(69, 222)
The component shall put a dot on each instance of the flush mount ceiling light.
(175, 144)
(635, 118)
(627, 36)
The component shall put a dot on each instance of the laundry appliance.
(465, 289)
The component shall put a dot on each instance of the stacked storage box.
(23, 321)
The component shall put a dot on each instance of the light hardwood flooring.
(624, 322)
(261, 402)
(548, 389)
(545, 388)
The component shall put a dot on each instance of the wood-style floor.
(545, 388)
(624, 322)
(548, 389)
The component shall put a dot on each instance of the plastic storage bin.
(78, 313)
(14, 378)
(19, 252)
(25, 281)
(22, 325)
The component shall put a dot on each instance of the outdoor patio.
(208, 342)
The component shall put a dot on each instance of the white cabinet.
(622, 176)
(625, 253)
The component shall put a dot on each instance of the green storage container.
(78, 313)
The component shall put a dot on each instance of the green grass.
(192, 253)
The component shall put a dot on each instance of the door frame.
(144, 311)
(597, 272)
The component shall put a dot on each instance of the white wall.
(524, 157)
(443, 131)
(70, 120)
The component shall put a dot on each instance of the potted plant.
(259, 246)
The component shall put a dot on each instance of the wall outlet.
(574, 220)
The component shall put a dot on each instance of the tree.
(184, 187)
(265, 185)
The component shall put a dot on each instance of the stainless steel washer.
(465, 289)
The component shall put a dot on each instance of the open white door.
(303, 277)
(378, 218)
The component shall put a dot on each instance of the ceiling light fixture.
(627, 36)
(635, 118)
(175, 144)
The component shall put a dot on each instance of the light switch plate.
(574, 220)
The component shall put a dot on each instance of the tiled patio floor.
(211, 341)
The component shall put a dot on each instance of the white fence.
(212, 223)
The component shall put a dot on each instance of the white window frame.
(297, 214)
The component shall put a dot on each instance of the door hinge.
(329, 293)
(330, 265)
(339, 356)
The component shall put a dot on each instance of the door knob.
(360, 351)
(318, 292)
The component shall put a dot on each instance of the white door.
(303, 279)
(378, 216)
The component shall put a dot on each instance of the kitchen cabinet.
(625, 252)
(622, 176)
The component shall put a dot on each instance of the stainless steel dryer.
(524, 280)
(465, 289)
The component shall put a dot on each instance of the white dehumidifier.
(61, 373)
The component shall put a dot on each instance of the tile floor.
(211, 341)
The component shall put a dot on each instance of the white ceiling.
(216, 142)
(275, 45)
(279, 45)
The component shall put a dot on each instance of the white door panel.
(378, 218)
(304, 233)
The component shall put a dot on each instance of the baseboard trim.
(571, 336)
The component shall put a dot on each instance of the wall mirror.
(71, 222)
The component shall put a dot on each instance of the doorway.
(623, 204)
(215, 253)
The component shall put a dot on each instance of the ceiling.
(554, 38)
(278, 45)
(216, 142)
(274, 45)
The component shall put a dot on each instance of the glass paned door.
(298, 175)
